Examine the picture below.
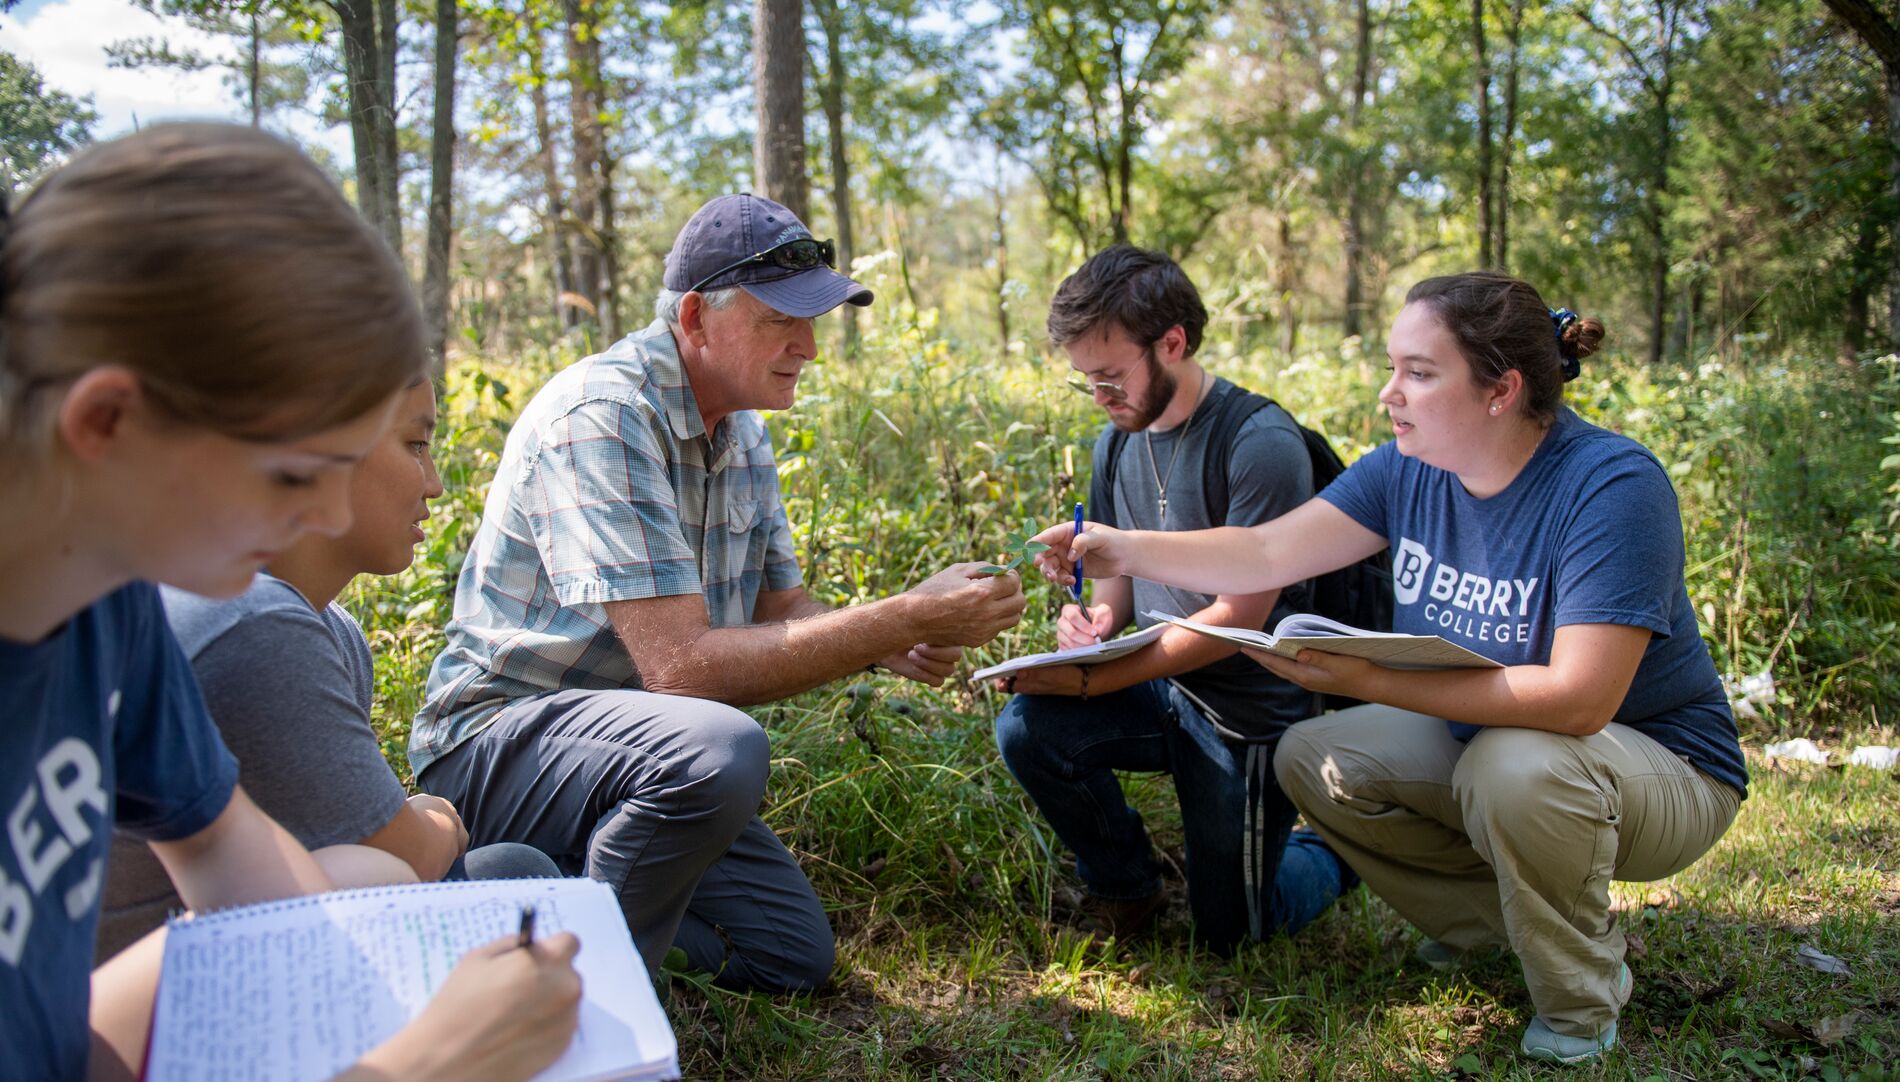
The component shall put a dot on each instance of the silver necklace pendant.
(1162, 503)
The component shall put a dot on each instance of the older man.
(634, 580)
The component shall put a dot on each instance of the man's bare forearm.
(761, 663)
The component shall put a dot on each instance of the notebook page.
(300, 989)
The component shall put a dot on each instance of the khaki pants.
(1512, 839)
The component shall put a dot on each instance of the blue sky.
(66, 41)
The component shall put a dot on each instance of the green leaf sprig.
(1024, 547)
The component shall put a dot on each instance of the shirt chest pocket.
(741, 542)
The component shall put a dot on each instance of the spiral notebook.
(301, 988)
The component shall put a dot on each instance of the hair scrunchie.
(1563, 319)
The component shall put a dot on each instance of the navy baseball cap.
(716, 250)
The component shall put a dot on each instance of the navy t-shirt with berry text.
(1589, 532)
(101, 725)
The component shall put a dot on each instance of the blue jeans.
(1064, 752)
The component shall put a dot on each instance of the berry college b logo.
(1408, 570)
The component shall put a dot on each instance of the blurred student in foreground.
(199, 340)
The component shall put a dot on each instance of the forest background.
(1718, 180)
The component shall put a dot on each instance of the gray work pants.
(657, 796)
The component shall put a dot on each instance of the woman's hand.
(1104, 552)
(1328, 674)
(1083, 627)
(505, 1013)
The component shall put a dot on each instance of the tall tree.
(1079, 112)
(1653, 58)
(369, 29)
(778, 59)
(1487, 213)
(886, 76)
(832, 93)
(39, 126)
(1883, 37)
(271, 66)
(586, 111)
(1507, 144)
(1358, 179)
(435, 270)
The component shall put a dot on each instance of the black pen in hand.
(526, 936)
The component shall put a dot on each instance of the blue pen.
(1077, 587)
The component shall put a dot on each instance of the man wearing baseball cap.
(634, 581)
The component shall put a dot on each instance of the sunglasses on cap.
(795, 256)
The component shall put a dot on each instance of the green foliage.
(39, 126)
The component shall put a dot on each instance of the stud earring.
(1494, 407)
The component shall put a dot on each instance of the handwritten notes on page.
(300, 989)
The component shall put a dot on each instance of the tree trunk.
(778, 57)
(584, 107)
(1507, 146)
(435, 264)
(253, 71)
(387, 158)
(1658, 227)
(1352, 322)
(555, 231)
(1883, 37)
(1482, 95)
(609, 254)
(1893, 196)
(1859, 302)
(1284, 279)
(833, 93)
(1002, 261)
(1125, 136)
(371, 115)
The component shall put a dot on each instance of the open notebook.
(299, 989)
(1304, 631)
(1102, 651)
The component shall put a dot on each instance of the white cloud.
(66, 40)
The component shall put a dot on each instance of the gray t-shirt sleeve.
(289, 692)
(283, 696)
(1269, 473)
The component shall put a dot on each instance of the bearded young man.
(1131, 321)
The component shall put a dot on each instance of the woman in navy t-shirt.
(198, 340)
(1493, 807)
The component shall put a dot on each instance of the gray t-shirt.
(1268, 474)
(290, 689)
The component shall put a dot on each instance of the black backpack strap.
(1234, 410)
(1108, 455)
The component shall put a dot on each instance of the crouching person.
(634, 582)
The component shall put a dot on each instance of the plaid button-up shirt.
(609, 489)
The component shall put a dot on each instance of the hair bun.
(1583, 337)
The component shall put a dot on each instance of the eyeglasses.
(1084, 385)
(795, 256)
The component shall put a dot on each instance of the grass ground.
(953, 904)
(970, 969)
